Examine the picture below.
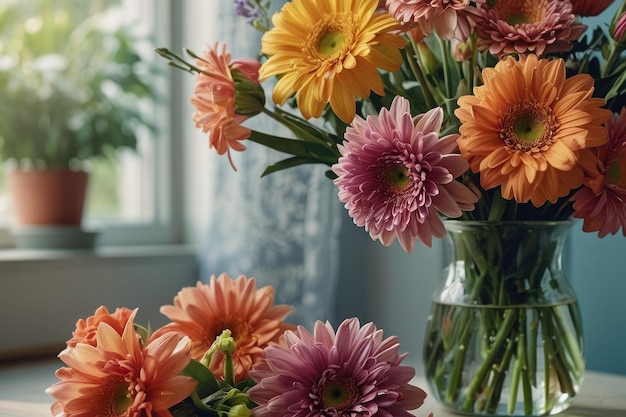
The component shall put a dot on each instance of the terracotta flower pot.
(50, 197)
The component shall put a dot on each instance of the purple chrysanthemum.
(396, 175)
(348, 373)
(246, 10)
(527, 27)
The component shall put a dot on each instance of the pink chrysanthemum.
(214, 99)
(395, 174)
(86, 328)
(121, 378)
(203, 312)
(527, 27)
(602, 200)
(352, 372)
(447, 18)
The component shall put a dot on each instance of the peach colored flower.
(214, 99)
(602, 200)
(527, 27)
(204, 311)
(120, 378)
(528, 127)
(86, 329)
(589, 7)
(447, 18)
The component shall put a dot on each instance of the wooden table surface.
(22, 386)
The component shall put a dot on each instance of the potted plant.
(72, 84)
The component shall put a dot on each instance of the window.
(128, 198)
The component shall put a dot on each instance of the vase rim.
(455, 223)
(541, 222)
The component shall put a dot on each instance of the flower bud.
(249, 95)
(618, 29)
(463, 51)
(427, 58)
(239, 410)
(225, 343)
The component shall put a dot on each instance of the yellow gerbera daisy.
(328, 51)
(528, 127)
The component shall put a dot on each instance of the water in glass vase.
(508, 361)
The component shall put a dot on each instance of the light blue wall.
(597, 271)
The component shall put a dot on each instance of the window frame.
(161, 162)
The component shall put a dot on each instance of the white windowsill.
(45, 292)
(98, 254)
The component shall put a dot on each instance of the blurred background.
(166, 211)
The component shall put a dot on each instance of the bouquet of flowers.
(227, 352)
(477, 110)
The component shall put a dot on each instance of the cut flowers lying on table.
(227, 352)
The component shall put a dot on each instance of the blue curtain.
(282, 229)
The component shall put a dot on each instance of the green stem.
(500, 373)
(548, 353)
(456, 374)
(501, 337)
(416, 69)
(446, 61)
(532, 348)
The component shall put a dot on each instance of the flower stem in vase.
(505, 337)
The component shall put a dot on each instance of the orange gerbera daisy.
(204, 311)
(328, 52)
(121, 378)
(527, 126)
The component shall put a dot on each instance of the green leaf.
(207, 383)
(288, 163)
(316, 151)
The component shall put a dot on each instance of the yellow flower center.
(516, 12)
(329, 42)
(340, 393)
(396, 177)
(617, 172)
(121, 399)
(528, 127)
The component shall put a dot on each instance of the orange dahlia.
(528, 126)
(328, 52)
(122, 378)
(86, 328)
(204, 311)
(214, 98)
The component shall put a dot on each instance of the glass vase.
(504, 336)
